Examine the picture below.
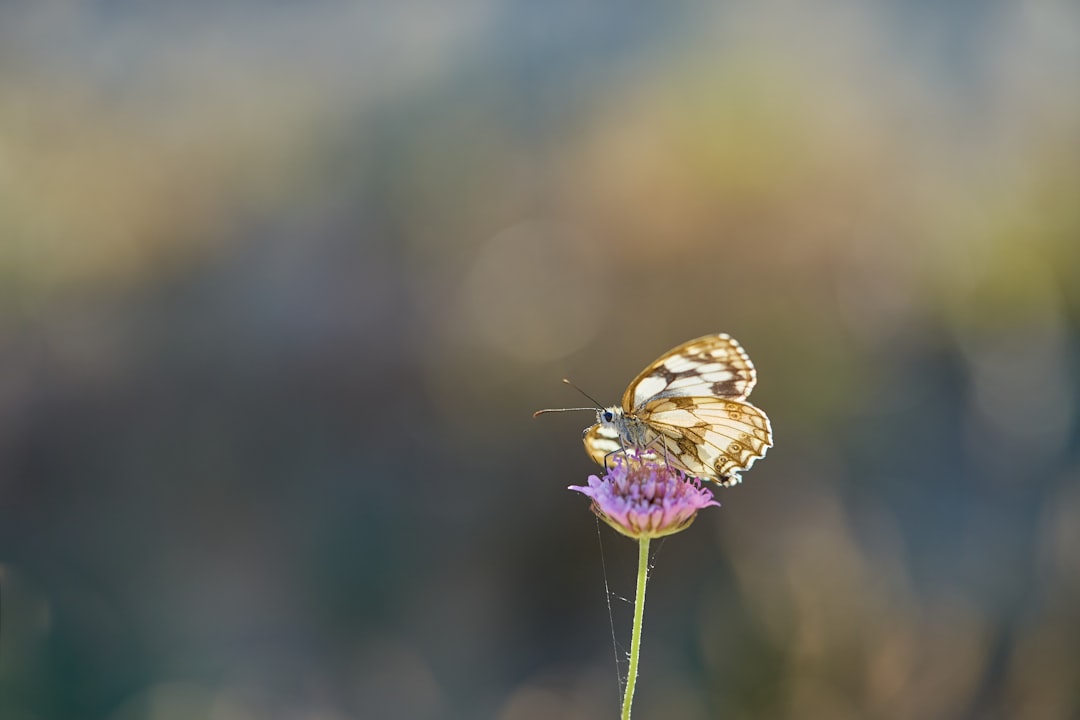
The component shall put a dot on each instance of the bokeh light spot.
(537, 291)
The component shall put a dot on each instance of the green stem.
(639, 612)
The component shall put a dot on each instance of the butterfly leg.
(613, 452)
(661, 438)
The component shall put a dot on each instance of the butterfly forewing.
(710, 366)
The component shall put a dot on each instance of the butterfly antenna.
(547, 410)
(550, 410)
(590, 397)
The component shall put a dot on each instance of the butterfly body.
(630, 431)
(687, 408)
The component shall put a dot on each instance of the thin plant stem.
(639, 612)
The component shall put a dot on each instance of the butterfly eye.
(608, 416)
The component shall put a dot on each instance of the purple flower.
(645, 498)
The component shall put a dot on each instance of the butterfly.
(688, 408)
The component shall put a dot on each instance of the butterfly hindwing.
(601, 441)
(709, 437)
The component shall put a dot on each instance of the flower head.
(645, 498)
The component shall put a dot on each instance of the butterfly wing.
(712, 438)
(710, 366)
(601, 441)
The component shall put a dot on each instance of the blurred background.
(281, 285)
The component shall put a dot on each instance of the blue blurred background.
(281, 285)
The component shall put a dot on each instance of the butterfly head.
(608, 416)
